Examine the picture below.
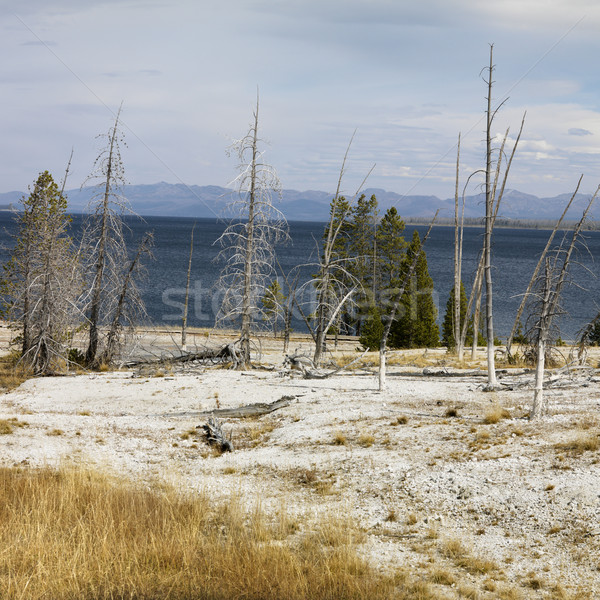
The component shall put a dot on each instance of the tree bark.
(94, 318)
(487, 248)
(537, 270)
(187, 294)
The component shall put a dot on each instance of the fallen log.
(318, 374)
(249, 410)
(213, 354)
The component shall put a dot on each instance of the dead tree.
(493, 198)
(249, 240)
(548, 307)
(187, 294)
(105, 248)
(397, 300)
(129, 294)
(335, 284)
(458, 246)
(213, 433)
(537, 270)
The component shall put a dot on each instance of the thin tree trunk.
(487, 248)
(249, 254)
(94, 318)
(537, 270)
(477, 315)
(538, 409)
(113, 334)
(187, 294)
(323, 297)
(458, 348)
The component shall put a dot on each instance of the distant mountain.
(179, 200)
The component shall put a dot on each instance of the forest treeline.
(504, 223)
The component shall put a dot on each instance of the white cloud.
(405, 75)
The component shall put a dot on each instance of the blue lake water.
(515, 254)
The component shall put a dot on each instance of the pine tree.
(41, 280)
(416, 327)
(391, 249)
(372, 329)
(362, 249)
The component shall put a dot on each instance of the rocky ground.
(443, 478)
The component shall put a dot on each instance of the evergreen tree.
(362, 248)
(391, 249)
(41, 280)
(416, 327)
(372, 329)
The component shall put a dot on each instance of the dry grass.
(339, 439)
(81, 534)
(495, 414)
(7, 426)
(366, 440)
(12, 375)
(582, 442)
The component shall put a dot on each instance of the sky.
(404, 77)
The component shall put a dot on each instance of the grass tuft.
(495, 414)
(366, 440)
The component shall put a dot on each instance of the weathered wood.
(214, 435)
(214, 354)
(249, 410)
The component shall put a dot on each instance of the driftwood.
(214, 435)
(302, 363)
(249, 410)
(225, 353)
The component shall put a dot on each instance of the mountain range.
(180, 200)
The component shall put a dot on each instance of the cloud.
(579, 131)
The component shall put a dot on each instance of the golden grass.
(80, 534)
(7, 426)
(12, 375)
(583, 442)
(495, 414)
(366, 440)
(339, 439)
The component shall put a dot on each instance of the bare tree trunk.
(113, 334)
(477, 314)
(247, 289)
(458, 347)
(539, 408)
(94, 318)
(323, 296)
(187, 294)
(487, 247)
(537, 270)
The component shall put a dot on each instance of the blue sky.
(405, 75)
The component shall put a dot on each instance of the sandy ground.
(417, 467)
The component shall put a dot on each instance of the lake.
(515, 254)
